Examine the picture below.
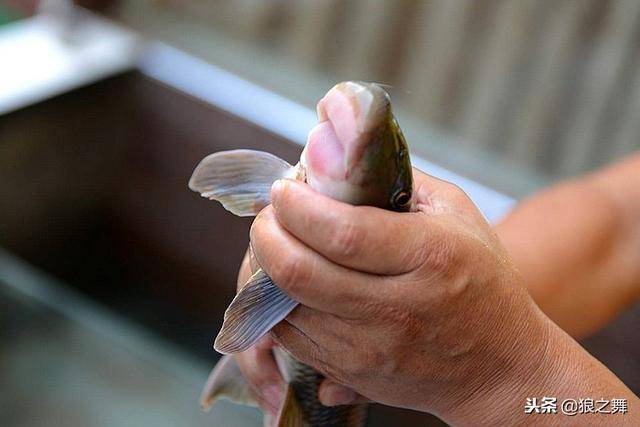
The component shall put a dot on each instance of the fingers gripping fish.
(356, 154)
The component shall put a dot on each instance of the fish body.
(304, 382)
(356, 154)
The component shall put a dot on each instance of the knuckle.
(347, 239)
(398, 320)
(409, 326)
(459, 196)
(416, 252)
(290, 272)
(440, 258)
(456, 190)
(258, 222)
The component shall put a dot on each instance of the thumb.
(332, 394)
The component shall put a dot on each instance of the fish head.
(357, 153)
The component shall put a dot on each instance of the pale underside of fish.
(356, 154)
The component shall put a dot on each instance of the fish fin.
(226, 382)
(256, 308)
(239, 179)
(290, 414)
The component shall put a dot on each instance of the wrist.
(496, 392)
(556, 367)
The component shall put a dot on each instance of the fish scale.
(305, 382)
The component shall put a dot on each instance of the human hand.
(422, 310)
(261, 372)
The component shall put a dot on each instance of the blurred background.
(114, 277)
(544, 88)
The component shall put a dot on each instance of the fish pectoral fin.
(239, 179)
(226, 382)
(257, 308)
(290, 413)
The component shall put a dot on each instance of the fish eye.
(401, 198)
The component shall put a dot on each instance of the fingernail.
(272, 394)
(335, 394)
(276, 189)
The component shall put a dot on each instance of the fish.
(356, 154)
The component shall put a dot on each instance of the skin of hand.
(422, 310)
(577, 244)
(259, 367)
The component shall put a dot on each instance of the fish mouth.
(347, 114)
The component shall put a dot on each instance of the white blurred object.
(63, 13)
(61, 49)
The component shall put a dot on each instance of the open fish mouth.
(347, 115)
